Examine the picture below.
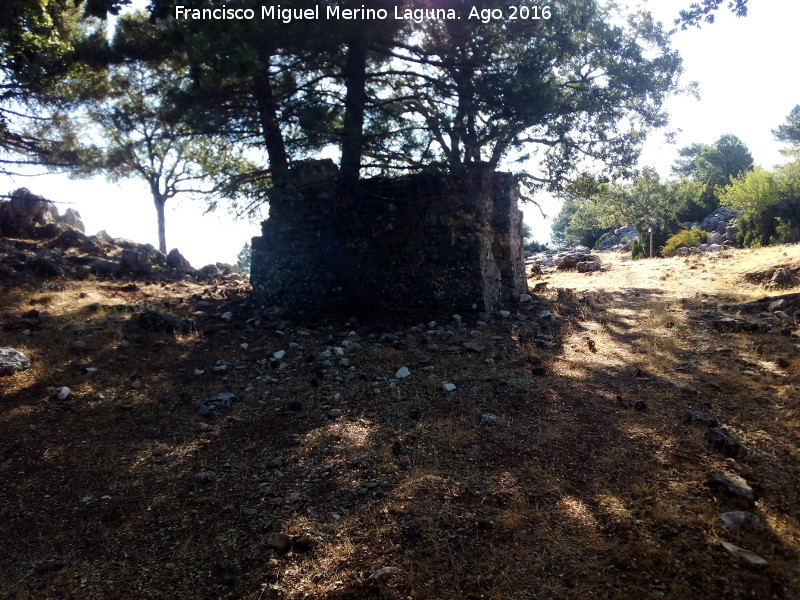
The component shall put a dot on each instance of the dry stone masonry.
(425, 241)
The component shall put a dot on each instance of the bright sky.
(746, 70)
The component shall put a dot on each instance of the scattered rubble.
(287, 448)
(701, 249)
(573, 259)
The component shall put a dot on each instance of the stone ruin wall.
(425, 241)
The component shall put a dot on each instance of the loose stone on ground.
(13, 361)
(216, 403)
(748, 558)
(734, 489)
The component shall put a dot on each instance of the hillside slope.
(263, 459)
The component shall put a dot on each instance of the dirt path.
(721, 275)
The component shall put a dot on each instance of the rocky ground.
(630, 432)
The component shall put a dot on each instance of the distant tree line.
(529, 244)
(706, 177)
(768, 202)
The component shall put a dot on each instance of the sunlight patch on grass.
(578, 511)
(612, 505)
(21, 412)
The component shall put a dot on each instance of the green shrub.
(786, 232)
(638, 249)
(768, 204)
(779, 224)
(532, 247)
(602, 239)
(686, 238)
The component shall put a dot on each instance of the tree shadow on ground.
(540, 476)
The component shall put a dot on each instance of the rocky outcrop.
(721, 224)
(719, 220)
(73, 218)
(778, 276)
(26, 214)
(142, 259)
(426, 241)
(36, 242)
(176, 260)
(620, 239)
(784, 278)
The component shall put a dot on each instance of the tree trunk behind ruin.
(355, 75)
(160, 201)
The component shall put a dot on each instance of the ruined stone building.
(424, 241)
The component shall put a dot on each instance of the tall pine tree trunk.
(352, 145)
(268, 117)
(355, 78)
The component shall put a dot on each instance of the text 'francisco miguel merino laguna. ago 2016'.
(335, 13)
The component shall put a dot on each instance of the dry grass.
(571, 493)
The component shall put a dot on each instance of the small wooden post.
(651, 241)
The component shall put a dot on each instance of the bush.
(786, 232)
(533, 247)
(769, 205)
(638, 249)
(686, 238)
(244, 259)
(778, 224)
(602, 239)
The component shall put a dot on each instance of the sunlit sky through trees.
(744, 68)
